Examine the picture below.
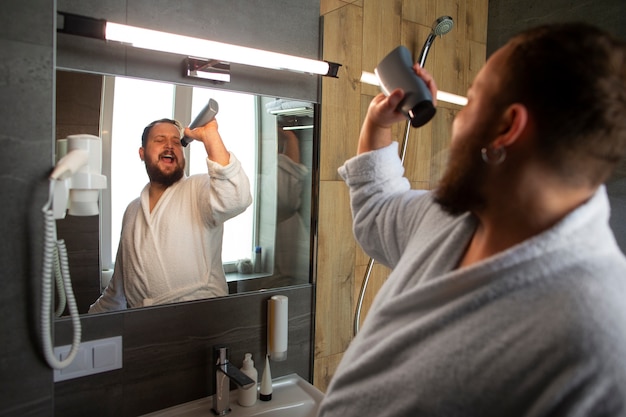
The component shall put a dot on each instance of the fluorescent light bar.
(372, 79)
(186, 45)
(451, 98)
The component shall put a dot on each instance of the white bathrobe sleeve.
(378, 194)
(226, 193)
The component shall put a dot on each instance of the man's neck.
(155, 191)
(511, 218)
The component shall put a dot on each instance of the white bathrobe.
(174, 252)
(537, 330)
(292, 235)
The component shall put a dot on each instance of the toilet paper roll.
(277, 324)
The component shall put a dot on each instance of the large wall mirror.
(113, 91)
(272, 137)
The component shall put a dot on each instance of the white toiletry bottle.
(247, 397)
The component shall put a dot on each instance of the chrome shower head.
(441, 26)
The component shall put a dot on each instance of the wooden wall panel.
(327, 6)
(476, 17)
(418, 159)
(340, 116)
(380, 16)
(358, 34)
(335, 270)
(324, 369)
(421, 12)
(377, 277)
(413, 37)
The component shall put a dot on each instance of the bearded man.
(171, 242)
(507, 295)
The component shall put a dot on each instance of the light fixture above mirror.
(224, 53)
(371, 79)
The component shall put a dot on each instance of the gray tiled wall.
(26, 131)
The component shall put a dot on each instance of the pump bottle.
(247, 397)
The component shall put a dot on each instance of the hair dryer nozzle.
(396, 71)
(205, 116)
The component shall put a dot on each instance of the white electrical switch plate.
(93, 357)
(79, 363)
(104, 355)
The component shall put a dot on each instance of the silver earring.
(493, 155)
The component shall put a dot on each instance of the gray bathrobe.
(537, 330)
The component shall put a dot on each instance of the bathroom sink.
(292, 397)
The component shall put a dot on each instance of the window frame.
(182, 111)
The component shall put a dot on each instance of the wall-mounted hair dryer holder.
(396, 71)
(77, 177)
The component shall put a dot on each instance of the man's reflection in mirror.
(171, 240)
(291, 231)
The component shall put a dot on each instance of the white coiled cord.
(55, 254)
(60, 286)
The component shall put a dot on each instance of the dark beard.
(459, 188)
(157, 176)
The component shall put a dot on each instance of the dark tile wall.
(78, 98)
(507, 17)
(82, 236)
(26, 133)
(167, 351)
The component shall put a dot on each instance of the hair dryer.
(205, 116)
(77, 175)
(396, 71)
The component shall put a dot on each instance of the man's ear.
(141, 153)
(514, 124)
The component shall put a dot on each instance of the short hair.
(572, 79)
(146, 130)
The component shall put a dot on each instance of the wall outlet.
(93, 357)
